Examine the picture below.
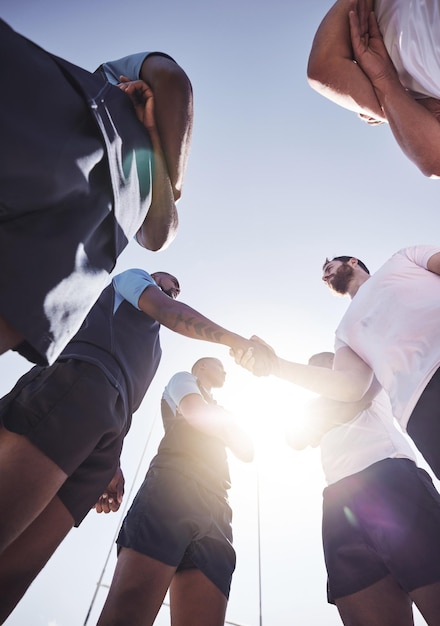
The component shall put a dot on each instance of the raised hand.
(368, 46)
(142, 97)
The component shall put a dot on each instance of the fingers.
(107, 504)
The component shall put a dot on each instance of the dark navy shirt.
(121, 339)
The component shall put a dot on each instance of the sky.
(278, 179)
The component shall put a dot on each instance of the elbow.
(430, 169)
(317, 73)
(158, 237)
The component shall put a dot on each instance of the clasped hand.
(259, 358)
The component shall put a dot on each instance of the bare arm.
(173, 98)
(160, 224)
(413, 123)
(213, 420)
(331, 70)
(324, 414)
(434, 263)
(182, 319)
(348, 381)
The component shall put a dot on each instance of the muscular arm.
(413, 122)
(331, 70)
(324, 414)
(182, 319)
(434, 263)
(348, 381)
(173, 98)
(213, 420)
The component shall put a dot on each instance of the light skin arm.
(324, 414)
(414, 123)
(159, 227)
(331, 70)
(348, 381)
(213, 420)
(434, 263)
(182, 319)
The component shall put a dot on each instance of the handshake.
(256, 356)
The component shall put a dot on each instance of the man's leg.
(28, 482)
(196, 601)
(382, 604)
(424, 424)
(173, 111)
(22, 561)
(9, 337)
(427, 600)
(137, 591)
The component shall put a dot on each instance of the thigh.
(22, 561)
(196, 601)
(381, 604)
(424, 424)
(28, 482)
(66, 410)
(427, 600)
(137, 590)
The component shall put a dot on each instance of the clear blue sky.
(278, 179)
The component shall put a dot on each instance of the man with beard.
(380, 512)
(390, 330)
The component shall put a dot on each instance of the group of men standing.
(115, 170)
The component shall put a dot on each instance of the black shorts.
(424, 424)
(175, 520)
(382, 521)
(57, 226)
(72, 413)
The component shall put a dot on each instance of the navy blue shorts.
(57, 228)
(424, 424)
(175, 520)
(382, 521)
(72, 413)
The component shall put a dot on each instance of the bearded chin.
(342, 279)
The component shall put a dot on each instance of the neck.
(355, 284)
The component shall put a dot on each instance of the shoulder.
(180, 385)
(130, 285)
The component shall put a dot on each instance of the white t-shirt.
(181, 384)
(370, 437)
(393, 324)
(411, 33)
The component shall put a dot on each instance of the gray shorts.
(175, 520)
(72, 413)
(382, 521)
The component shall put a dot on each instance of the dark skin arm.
(182, 319)
(160, 225)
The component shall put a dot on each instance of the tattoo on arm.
(202, 329)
